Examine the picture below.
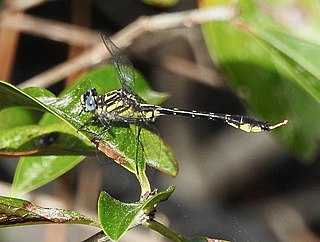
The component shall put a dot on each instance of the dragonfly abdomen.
(237, 121)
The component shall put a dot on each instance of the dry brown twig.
(191, 70)
(67, 33)
(9, 37)
(22, 5)
(126, 36)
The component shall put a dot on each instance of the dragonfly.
(124, 106)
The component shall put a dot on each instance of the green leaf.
(52, 139)
(117, 217)
(55, 142)
(14, 117)
(161, 3)
(12, 96)
(299, 57)
(34, 172)
(120, 143)
(19, 136)
(32, 98)
(16, 212)
(157, 153)
(273, 71)
(297, 62)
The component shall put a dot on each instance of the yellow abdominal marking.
(245, 127)
(249, 128)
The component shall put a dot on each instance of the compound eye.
(90, 104)
(88, 100)
(93, 91)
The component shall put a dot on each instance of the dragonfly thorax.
(118, 105)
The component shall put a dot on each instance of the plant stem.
(165, 231)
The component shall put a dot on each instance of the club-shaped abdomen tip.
(278, 124)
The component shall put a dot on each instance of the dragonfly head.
(89, 100)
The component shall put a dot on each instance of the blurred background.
(231, 185)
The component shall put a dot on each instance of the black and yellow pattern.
(125, 106)
(121, 106)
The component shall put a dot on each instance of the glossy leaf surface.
(57, 135)
(117, 217)
(274, 70)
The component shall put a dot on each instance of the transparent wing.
(122, 64)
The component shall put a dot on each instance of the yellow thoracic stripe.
(116, 105)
